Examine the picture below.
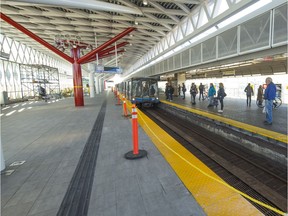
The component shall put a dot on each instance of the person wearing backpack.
(193, 92)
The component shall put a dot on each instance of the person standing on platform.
(211, 93)
(152, 91)
(166, 91)
(183, 90)
(260, 95)
(221, 94)
(170, 91)
(201, 90)
(179, 90)
(193, 92)
(269, 96)
(249, 92)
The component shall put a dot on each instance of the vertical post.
(2, 157)
(97, 85)
(135, 130)
(91, 85)
(100, 84)
(136, 153)
(77, 78)
(118, 99)
(125, 114)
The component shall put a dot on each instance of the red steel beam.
(113, 48)
(103, 56)
(103, 46)
(105, 51)
(110, 53)
(35, 37)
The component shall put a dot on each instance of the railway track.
(256, 176)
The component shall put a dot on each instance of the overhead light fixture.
(136, 23)
(145, 2)
(131, 35)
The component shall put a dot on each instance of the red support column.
(77, 78)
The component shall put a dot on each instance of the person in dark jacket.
(183, 90)
(166, 90)
(221, 94)
(152, 91)
(269, 96)
(249, 92)
(260, 95)
(201, 91)
(170, 91)
(193, 92)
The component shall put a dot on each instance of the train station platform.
(61, 168)
(49, 139)
(237, 110)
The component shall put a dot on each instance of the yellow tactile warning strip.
(214, 195)
(261, 131)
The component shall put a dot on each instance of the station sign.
(228, 73)
(112, 70)
(101, 69)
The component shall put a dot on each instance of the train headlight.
(133, 99)
(157, 98)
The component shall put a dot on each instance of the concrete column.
(2, 157)
(91, 84)
(100, 85)
(181, 79)
(97, 85)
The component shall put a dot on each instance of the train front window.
(145, 87)
(136, 88)
(153, 90)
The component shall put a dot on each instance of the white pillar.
(97, 85)
(91, 85)
(100, 85)
(2, 157)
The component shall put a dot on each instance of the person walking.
(211, 93)
(269, 96)
(249, 92)
(221, 94)
(201, 91)
(193, 92)
(183, 90)
(260, 95)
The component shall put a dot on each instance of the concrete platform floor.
(50, 138)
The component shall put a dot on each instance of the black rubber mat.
(77, 197)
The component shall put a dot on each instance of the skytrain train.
(140, 91)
